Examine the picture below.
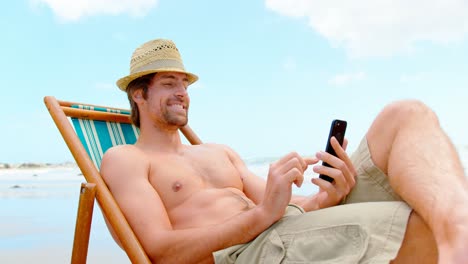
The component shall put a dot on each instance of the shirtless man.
(200, 203)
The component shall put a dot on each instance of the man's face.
(168, 98)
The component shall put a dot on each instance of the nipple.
(176, 186)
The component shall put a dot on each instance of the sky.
(273, 73)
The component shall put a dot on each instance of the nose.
(181, 91)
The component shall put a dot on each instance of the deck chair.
(95, 129)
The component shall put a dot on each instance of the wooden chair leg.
(83, 223)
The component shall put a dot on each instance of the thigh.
(355, 233)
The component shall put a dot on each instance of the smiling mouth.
(178, 107)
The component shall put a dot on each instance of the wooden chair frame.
(96, 188)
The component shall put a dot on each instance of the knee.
(408, 111)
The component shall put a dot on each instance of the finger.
(340, 152)
(295, 176)
(332, 160)
(327, 187)
(340, 165)
(345, 143)
(290, 156)
(350, 171)
(336, 174)
(277, 165)
(311, 160)
(293, 163)
(336, 145)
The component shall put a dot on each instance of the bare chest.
(178, 179)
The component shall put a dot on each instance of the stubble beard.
(176, 120)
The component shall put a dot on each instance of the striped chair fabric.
(98, 136)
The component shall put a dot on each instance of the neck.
(155, 138)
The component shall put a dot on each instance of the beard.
(175, 119)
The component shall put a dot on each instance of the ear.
(137, 95)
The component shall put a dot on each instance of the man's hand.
(341, 170)
(282, 174)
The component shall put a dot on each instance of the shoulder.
(220, 148)
(122, 159)
(227, 151)
(122, 153)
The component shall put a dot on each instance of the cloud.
(346, 78)
(73, 10)
(380, 27)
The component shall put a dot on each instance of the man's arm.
(254, 186)
(330, 194)
(126, 173)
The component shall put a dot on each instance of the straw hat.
(159, 55)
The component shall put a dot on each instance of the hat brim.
(122, 83)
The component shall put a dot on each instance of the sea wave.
(62, 182)
(65, 182)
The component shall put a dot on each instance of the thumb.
(321, 198)
(345, 143)
(298, 182)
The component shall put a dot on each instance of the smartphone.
(337, 130)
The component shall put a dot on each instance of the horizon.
(273, 74)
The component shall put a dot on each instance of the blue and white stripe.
(98, 136)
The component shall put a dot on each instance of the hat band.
(160, 64)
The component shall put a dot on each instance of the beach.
(38, 216)
(38, 210)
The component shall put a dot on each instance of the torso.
(198, 187)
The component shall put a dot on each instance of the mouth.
(177, 107)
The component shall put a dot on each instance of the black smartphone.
(337, 130)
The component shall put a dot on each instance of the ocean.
(39, 206)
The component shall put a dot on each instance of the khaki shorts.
(368, 227)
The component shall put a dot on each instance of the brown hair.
(143, 83)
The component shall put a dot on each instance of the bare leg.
(418, 245)
(407, 143)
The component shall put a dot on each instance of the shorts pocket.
(273, 250)
(333, 244)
